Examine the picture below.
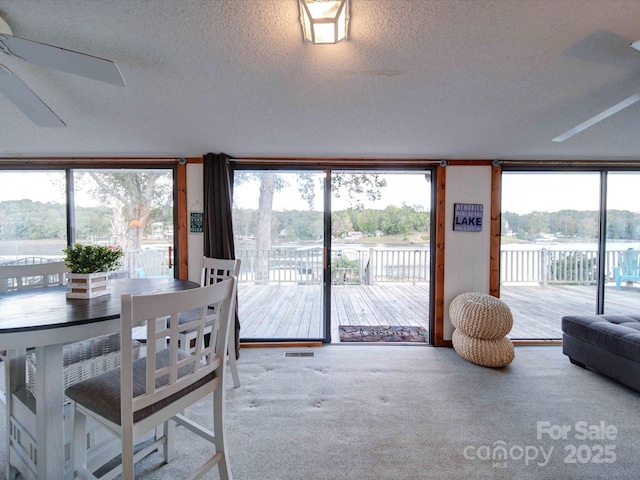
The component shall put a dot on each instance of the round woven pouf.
(487, 353)
(480, 315)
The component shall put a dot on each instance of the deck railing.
(282, 265)
(348, 266)
(398, 266)
(374, 265)
(545, 266)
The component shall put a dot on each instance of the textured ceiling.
(417, 79)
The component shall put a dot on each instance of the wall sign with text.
(196, 222)
(467, 217)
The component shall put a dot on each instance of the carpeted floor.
(363, 412)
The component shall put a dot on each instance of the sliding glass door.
(278, 223)
(328, 250)
(549, 249)
(622, 266)
(570, 245)
(380, 256)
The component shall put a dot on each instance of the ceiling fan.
(51, 57)
(601, 116)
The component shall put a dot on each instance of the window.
(622, 270)
(128, 207)
(33, 225)
(566, 248)
(549, 249)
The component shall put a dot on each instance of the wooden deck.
(295, 311)
(537, 311)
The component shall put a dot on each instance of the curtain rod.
(330, 160)
(431, 162)
(88, 160)
(351, 162)
(568, 163)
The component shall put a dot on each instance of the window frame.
(178, 171)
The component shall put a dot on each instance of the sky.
(411, 189)
(39, 187)
(551, 192)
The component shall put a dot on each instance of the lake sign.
(467, 217)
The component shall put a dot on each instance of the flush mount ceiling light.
(324, 21)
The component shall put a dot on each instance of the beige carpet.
(416, 412)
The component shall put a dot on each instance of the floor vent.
(299, 354)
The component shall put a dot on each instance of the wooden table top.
(48, 307)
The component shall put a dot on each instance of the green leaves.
(92, 258)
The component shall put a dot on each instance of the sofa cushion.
(618, 334)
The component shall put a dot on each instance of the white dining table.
(44, 319)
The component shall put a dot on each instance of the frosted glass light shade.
(324, 21)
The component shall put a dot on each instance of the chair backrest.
(169, 370)
(151, 263)
(18, 277)
(629, 262)
(217, 269)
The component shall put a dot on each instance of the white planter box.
(87, 285)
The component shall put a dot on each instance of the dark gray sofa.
(607, 344)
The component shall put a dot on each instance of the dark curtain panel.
(218, 226)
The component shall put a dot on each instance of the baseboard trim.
(279, 344)
(537, 342)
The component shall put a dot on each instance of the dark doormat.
(383, 333)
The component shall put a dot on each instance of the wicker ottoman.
(487, 353)
(482, 323)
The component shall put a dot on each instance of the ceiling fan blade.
(61, 59)
(598, 118)
(27, 101)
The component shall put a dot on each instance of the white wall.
(466, 253)
(194, 203)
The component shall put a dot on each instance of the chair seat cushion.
(101, 394)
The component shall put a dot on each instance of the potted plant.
(89, 265)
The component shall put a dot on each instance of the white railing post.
(372, 267)
(415, 266)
